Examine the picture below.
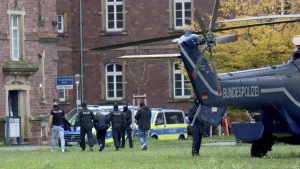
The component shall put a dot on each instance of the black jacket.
(143, 116)
(116, 118)
(128, 116)
(85, 117)
(101, 124)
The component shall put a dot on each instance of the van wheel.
(154, 137)
(181, 137)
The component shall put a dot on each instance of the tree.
(138, 70)
(257, 46)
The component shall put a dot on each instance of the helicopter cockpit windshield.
(295, 55)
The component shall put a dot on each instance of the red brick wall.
(145, 19)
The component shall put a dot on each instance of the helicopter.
(270, 91)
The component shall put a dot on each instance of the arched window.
(114, 78)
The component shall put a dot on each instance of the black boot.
(194, 152)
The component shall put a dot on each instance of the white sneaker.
(62, 150)
(144, 146)
(52, 150)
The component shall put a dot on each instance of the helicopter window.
(295, 56)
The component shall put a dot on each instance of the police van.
(168, 124)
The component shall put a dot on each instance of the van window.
(174, 117)
(159, 119)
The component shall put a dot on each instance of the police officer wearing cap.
(196, 128)
(128, 117)
(85, 121)
(117, 120)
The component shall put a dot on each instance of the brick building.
(105, 22)
(28, 57)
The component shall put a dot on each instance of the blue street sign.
(65, 82)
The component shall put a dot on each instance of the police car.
(168, 124)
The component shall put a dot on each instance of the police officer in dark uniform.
(128, 117)
(85, 121)
(196, 129)
(117, 120)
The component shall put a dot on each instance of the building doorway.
(13, 103)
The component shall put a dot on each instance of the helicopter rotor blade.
(227, 39)
(261, 17)
(200, 22)
(108, 47)
(214, 14)
(255, 25)
(215, 73)
(133, 43)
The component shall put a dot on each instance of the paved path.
(26, 147)
(220, 144)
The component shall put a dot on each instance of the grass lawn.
(160, 154)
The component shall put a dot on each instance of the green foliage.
(257, 46)
(160, 154)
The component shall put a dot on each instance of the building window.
(15, 37)
(62, 95)
(114, 15)
(114, 78)
(180, 83)
(60, 23)
(182, 13)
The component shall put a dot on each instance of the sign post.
(65, 82)
(13, 129)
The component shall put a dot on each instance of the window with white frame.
(15, 37)
(182, 13)
(60, 23)
(114, 78)
(180, 83)
(114, 15)
(62, 95)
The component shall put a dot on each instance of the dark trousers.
(117, 134)
(197, 137)
(129, 136)
(86, 130)
(101, 134)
